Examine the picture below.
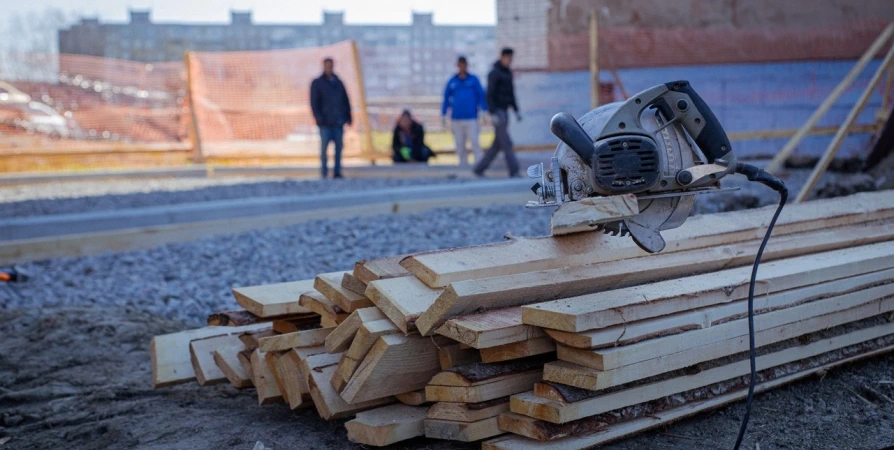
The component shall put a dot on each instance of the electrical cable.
(759, 175)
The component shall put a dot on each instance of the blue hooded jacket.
(464, 97)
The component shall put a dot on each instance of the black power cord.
(759, 175)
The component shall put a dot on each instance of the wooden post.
(786, 151)
(845, 128)
(194, 137)
(364, 116)
(594, 59)
(886, 97)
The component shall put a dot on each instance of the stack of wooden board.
(558, 342)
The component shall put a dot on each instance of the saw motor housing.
(663, 145)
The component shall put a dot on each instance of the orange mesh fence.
(77, 103)
(257, 104)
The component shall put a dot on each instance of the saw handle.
(710, 136)
(569, 131)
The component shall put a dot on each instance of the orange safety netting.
(258, 103)
(73, 102)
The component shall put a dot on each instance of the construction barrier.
(257, 104)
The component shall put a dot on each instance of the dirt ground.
(79, 378)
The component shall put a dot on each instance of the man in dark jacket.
(332, 111)
(500, 97)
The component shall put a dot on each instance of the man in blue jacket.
(464, 96)
(332, 111)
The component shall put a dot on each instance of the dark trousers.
(503, 142)
(333, 134)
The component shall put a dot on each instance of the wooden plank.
(830, 100)
(387, 425)
(470, 296)
(321, 305)
(402, 299)
(283, 342)
(328, 402)
(263, 379)
(845, 128)
(276, 299)
(337, 381)
(484, 373)
(328, 322)
(245, 360)
(351, 283)
(556, 392)
(593, 379)
(340, 339)
(367, 335)
(329, 284)
(202, 356)
(490, 328)
(292, 326)
(414, 398)
(468, 412)
(232, 367)
(708, 316)
(627, 305)
(590, 403)
(586, 214)
(625, 429)
(615, 357)
(517, 350)
(394, 365)
(170, 356)
(234, 318)
(462, 431)
(293, 378)
(288, 379)
(368, 271)
(513, 384)
(252, 339)
(452, 356)
(346, 368)
(520, 255)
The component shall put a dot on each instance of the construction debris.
(564, 341)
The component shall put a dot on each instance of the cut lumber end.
(387, 425)
(414, 398)
(462, 431)
(276, 299)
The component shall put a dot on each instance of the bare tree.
(30, 43)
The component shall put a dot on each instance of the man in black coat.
(500, 98)
(332, 111)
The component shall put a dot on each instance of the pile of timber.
(558, 342)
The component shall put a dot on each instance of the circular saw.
(658, 150)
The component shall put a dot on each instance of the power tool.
(663, 145)
(643, 146)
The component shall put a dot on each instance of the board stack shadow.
(558, 342)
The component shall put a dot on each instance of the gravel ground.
(74, 364)
(84, 196)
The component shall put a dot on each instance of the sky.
(478, 12)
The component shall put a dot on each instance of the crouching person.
(408, 142)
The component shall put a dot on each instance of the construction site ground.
(74, 363)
